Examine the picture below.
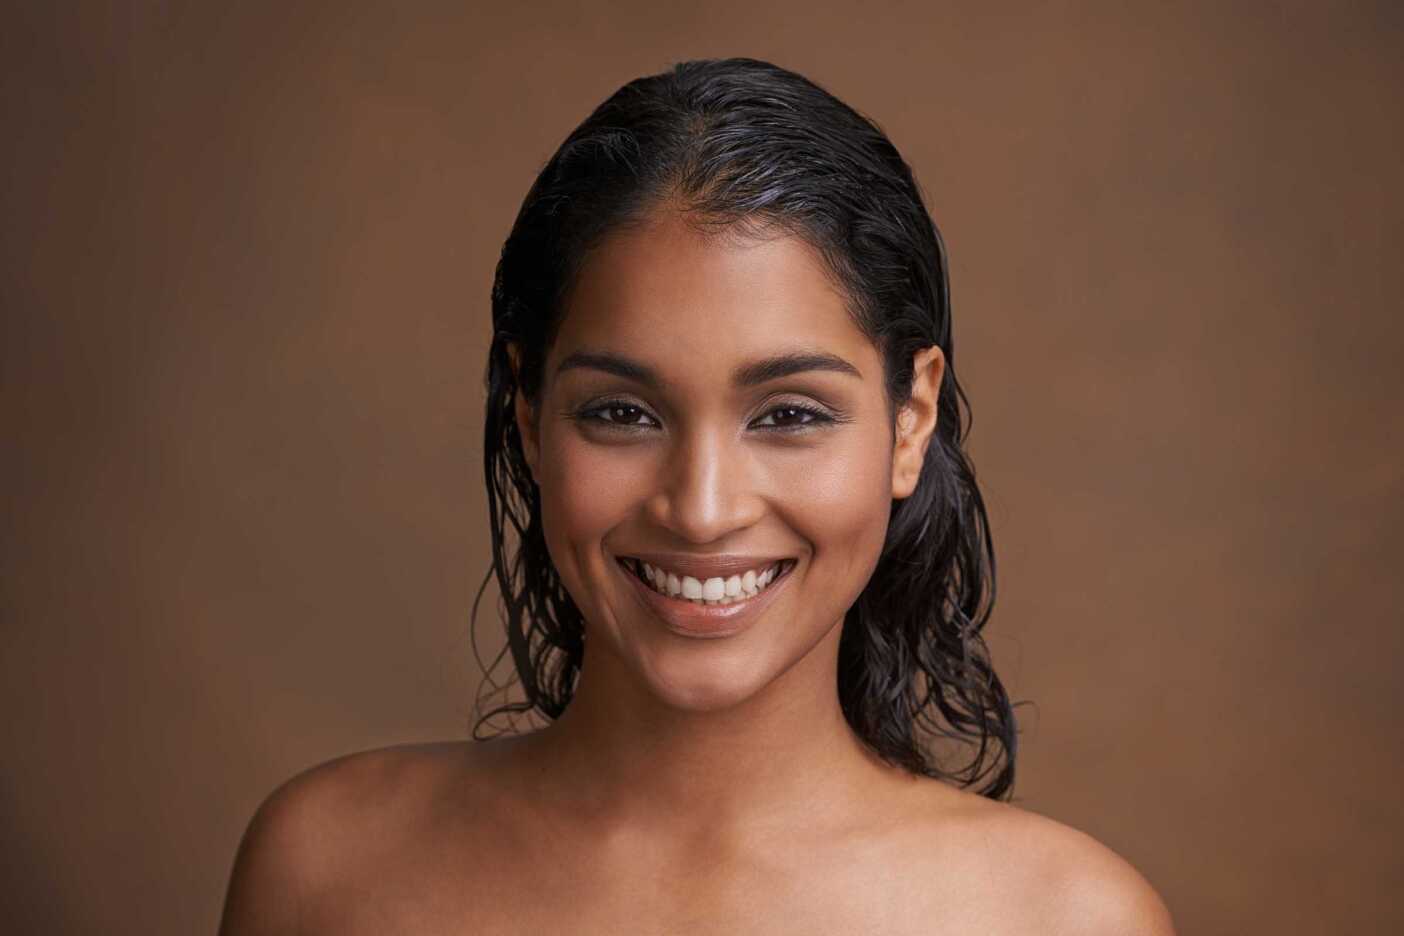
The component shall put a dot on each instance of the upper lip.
(705, 567)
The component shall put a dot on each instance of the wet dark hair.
(744, 146)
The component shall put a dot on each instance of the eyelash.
(816, 416)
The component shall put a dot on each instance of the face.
(712, 422)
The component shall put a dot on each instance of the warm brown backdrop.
(246, 260)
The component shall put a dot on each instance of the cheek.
(586, 491)
(839, 499)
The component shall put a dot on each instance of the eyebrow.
(746, 375)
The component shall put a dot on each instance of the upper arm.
(276, 865)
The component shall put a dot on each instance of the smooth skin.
(698, 786)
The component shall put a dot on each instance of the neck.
(621, 756)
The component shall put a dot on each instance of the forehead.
(664, 293)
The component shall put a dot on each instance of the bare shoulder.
(1068, 882)
(1086, 887)
(332, 824)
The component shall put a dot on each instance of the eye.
(619, 414)
(624, 416)
(791, 416)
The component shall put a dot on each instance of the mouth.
(717, 590)
(713, 607)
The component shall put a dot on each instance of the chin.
(720, 681)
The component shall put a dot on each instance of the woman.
(744, 568)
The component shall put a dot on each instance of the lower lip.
(690, 619)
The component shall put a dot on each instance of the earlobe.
(916, 421)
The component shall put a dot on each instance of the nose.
(709, 488)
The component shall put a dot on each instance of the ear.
(916, 421)
(526, 419)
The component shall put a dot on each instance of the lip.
(689, 619)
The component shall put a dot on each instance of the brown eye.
(625, 415)
(617, 414)
(791, 417)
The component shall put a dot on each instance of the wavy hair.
(745, 145)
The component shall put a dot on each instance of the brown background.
(246, 261)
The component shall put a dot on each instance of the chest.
(590, 891)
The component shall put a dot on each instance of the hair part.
(744, 148)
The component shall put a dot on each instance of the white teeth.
(712, 591)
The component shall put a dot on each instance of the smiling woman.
(748, 430)
(743, 565)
